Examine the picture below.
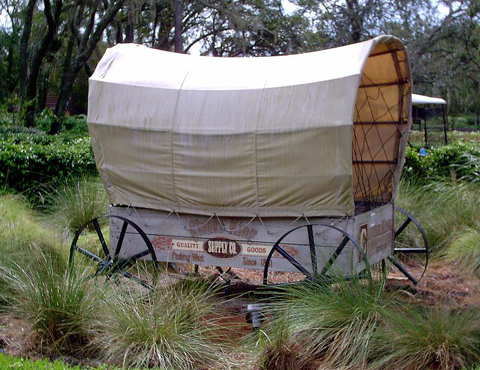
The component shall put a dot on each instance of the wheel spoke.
(102, 239)
(313, 252)
(335, 255)
(411, 250)
(293, 261)
(136, 256)
(88, 254)
(130, 276)
(401, 228)
(120, 240)
(402, 269)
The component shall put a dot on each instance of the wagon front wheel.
(328, 249)
(90, 243)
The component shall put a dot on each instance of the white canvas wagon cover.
(311, 134)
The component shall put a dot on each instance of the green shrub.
(457, 161)
(174, 328)
(415, 339)
(28, 160)
(71, 126)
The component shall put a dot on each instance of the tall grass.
(23, 239)
(464, 251)
(352, 326)
(173, 328)
(334, 323)
(56, 302)
(415, 339)
(75, 202)
(279, 349)
(443, 209)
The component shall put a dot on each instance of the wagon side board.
(246, 243)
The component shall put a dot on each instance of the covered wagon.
(285, 163)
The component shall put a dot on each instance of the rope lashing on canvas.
(234, 230)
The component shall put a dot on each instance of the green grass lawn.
(11, 362)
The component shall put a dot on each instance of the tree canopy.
(52, 46)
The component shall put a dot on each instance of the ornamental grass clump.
(333, 323)
(56, 302)
(174, 327)
(464, 251)
(23, 239)
(278, 348)
(443, 209)
(419, 338)
(76, 202)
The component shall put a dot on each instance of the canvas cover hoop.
(317, 134)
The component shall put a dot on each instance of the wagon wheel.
(411, 250)
(329, 266)
(98, 251)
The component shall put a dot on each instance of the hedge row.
(30, 159)
(459, 161)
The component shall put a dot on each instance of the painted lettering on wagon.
(256, 250)
(187, 245)
(199, 228)
(222, 247)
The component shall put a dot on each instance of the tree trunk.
(12, 81)
(64, 94)
(23, 57)
(38, 58)
(356, 21)
(72, 66)
(43, 88)
(178, 26)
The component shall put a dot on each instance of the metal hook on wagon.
(165, 217)
(235, 230)
(138, 215)
(286, 227)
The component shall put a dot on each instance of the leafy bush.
(457, 161)
(72, 126)
(415, 339)
(28, 160)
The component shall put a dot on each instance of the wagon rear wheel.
(411, 252)
(90, 243)
(331, 254)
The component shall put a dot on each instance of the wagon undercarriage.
(317, 248)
